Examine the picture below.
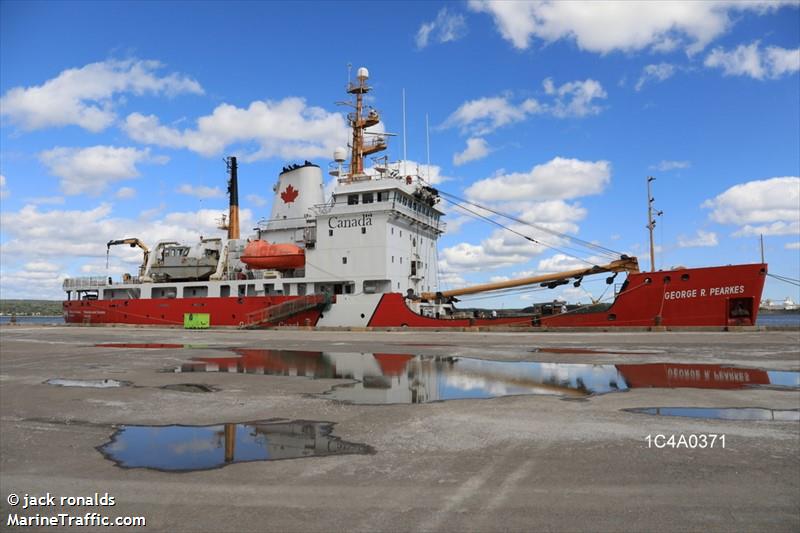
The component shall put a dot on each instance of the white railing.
(85, 282)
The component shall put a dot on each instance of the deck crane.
(132, 242)
(624, 264)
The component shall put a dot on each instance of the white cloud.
(42, 266)
(125, 193)
(750, 60)
(557, 215)
(770, 206)
(792, 246)
(424, 33)
(28, 282)
(200, 191)
(666, 165)
(46, 200)
(90, 170)
(288, 129)
(477, 148)
(655, 73)
(559, 178)
(562, 263)
(504, 248)
(451, 279)
(37, 239)
(702, 239)
(446, 27)
(455, 216)
(465, 256)
(85, 96)
(539, 223)
(485, 115)
(258, 201)
(431, 174)
(3, 190)
(574, 99)
(775, 228)
(609, 26)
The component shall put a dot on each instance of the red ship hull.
(697, 297)
(170, 312)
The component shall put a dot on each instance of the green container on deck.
(196, 320)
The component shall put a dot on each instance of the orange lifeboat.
(260, 254)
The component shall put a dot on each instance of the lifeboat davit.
(260, 254)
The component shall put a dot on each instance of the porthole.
(667, 279)
(362, 315)
(684, 277)
(648, 281)
(612, 317)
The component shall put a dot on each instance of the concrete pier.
(516, 463)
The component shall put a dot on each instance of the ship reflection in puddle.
(191, 448)
(404, 378)
(730, 413)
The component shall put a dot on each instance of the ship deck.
(528, 462)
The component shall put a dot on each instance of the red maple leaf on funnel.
(289, 195)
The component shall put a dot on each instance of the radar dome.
(363, 73)
(340, 154)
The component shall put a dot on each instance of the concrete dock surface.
(513, 463)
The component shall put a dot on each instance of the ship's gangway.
(275, 313)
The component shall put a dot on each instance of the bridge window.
(366, 197)
(352, 199)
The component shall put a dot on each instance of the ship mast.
(358, 122)
(651, 223)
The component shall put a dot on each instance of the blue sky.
(116, 117)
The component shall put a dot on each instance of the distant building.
(786, 305)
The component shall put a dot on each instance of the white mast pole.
(428, 147)
(404, 131)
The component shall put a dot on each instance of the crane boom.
(625, 264)
(133, 242)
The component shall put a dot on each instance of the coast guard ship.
(367, 257)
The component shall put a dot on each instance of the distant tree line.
(31, 307)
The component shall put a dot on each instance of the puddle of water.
(384, 378)
(190, 387)
(728, 413)
(190, 448)
(148, 345)
(92, 383)
(586, 351)
(782, 378)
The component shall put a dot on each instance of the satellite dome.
(363, 73)
(340, 154)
